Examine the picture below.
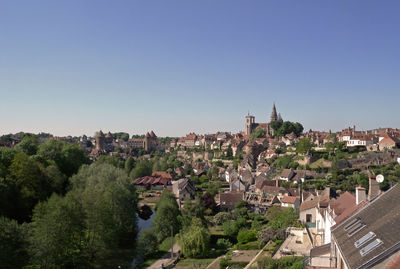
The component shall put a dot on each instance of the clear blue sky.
(75, 66)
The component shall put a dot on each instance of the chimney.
(374, 190)
(360, 195)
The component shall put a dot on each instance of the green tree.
(67, 157)
(258, 133)
(31, 183)
(304, 145)
(192, 210)
(28, 145)
(166, 216)
(279, 218)
(58, 234)
(195, 240)
(275, 125)
(73, 158)
(113, 160)
(142, 168)
(13, 244)
(6, 157)
(129, 165)
(147, 243)
(109, 200)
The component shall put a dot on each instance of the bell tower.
(250, 120)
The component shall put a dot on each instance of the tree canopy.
(282, 128)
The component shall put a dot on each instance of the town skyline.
(139, 66)
(144, 131)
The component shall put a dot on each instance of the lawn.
(193, 263)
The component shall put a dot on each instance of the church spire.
(274, 115)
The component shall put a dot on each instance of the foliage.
(281, 218)
(13, 245)
(226, 262)
(97, 215)
(121, 135)
(223, 243)
(147, 243)
(195, 240)
(166, 216)
(207, 200)
(28, 145)
(283, 263)
(57, 239)
(129, 165)
(142, 168)
(285, 162)
(230, 228)
(192, 209)
(67, 157)
(222, 217)
(112, 160)
(28, 182)
(304, 145)
(258, 133)
(246, 236)
(270, 234)
(282, 128)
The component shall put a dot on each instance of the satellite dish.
(380, 178)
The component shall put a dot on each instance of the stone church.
(251, 125)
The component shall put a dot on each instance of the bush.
(246, 236)
(283, 263)
(230, 228)
(223, 244)
(249, 246)
(222, 217)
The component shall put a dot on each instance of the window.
(308, 218)
(370, 247)
(351, 224)
(364, 239)
(356, 228)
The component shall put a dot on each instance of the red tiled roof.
(346, 200)
(347, 213)
(395, 264)
(161, 174)
(289, 199)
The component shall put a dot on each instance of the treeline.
(30, 173)
(57, 211)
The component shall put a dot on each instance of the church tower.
(100, 141)
(250, 120)
(274, 115)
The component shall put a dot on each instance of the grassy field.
(193, 263)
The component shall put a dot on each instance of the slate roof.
(382, 217)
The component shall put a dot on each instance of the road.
(166, 259)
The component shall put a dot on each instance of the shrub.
(246, 236)
(222, 217)
(223, 244)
